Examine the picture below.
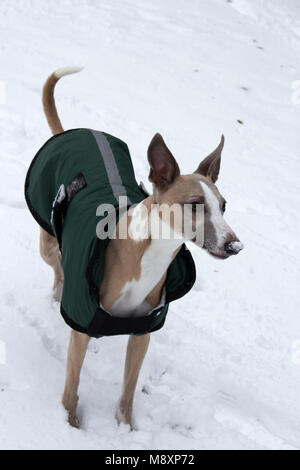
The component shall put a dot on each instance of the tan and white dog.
(135, 269)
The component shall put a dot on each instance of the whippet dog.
(135, 269)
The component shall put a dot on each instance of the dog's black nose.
(233, 248)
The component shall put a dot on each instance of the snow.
(224, 372)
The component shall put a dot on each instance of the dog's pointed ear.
(210, 166)
(163, 166)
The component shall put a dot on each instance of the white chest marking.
(154, 264)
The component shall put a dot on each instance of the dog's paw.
(71, 408)
(124, 415)
(73, 420)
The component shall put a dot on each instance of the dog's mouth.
(218, 254)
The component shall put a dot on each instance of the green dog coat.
(71, 175)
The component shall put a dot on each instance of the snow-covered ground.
(224, 373)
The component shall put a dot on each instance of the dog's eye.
(224, 207)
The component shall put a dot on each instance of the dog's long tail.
(48, 98)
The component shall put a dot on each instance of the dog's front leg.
(136, 351)
(76, 354)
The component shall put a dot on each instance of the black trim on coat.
(105, 324)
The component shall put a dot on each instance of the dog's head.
(196, 196)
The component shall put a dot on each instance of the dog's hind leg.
(76, 354)
(136, 351)
(50, 253)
